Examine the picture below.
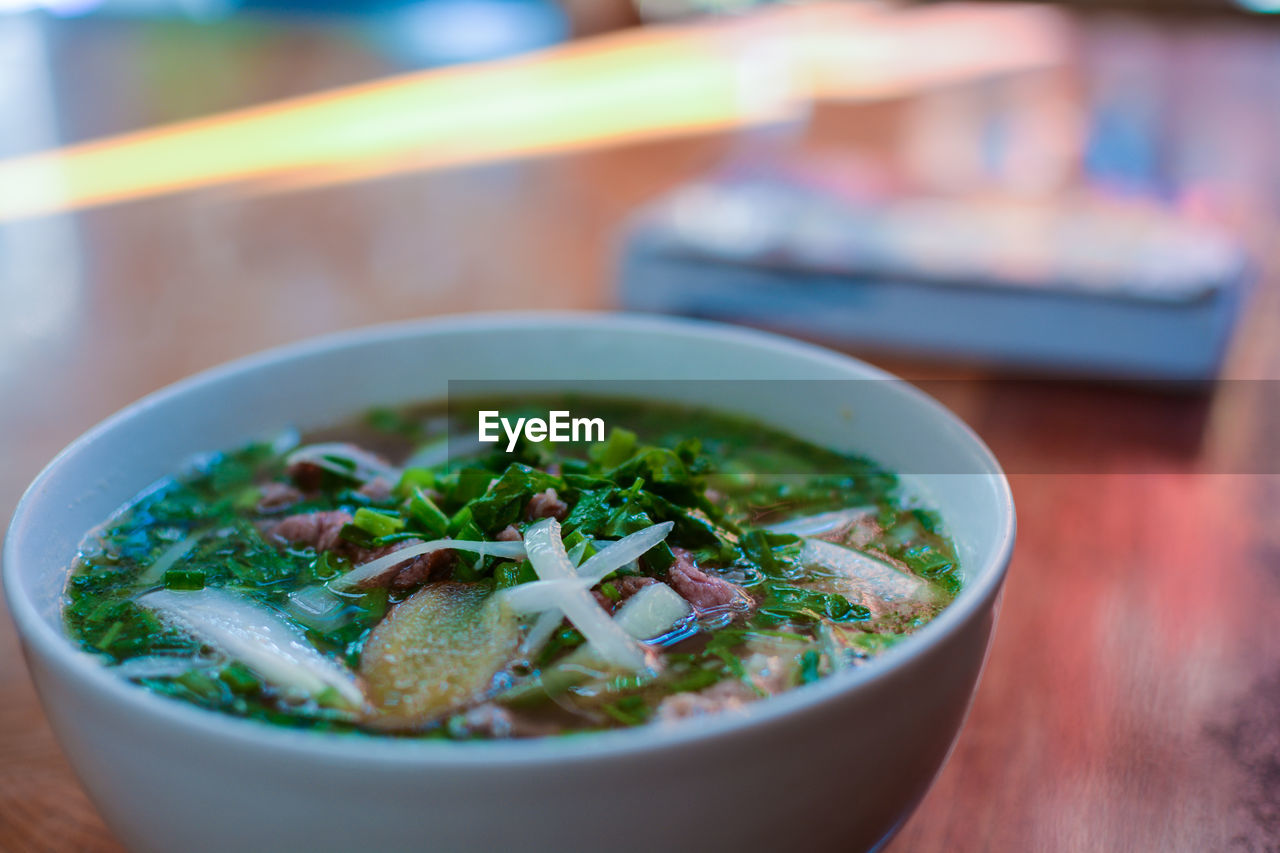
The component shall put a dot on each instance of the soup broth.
(394, 576)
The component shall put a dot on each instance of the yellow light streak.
(637, 85)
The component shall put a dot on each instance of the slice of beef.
(318, 530)
(768, 674)
(546, 505)
(627, 586)
(322, 531)
(488, 720)
(509, 534)
(419, 569)
(309, 476)
(724, 696)
(275, 496)
(706, 593)
(377, 489)
(496, 721)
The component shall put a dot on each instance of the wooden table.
(1132, 698)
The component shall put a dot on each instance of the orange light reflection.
(633, 86)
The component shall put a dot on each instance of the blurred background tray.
(1094, 287)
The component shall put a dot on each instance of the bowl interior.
(325, 381)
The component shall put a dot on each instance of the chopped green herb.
(425, 516)
(188, 579)
(377, 523)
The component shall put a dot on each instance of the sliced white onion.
(576, 552)
(539, 596)
(886, 582)
(256, 636)
(543, 595)
(652, 612)
(615, 555)
(375, 568)
(545, 550)
(823, 522)
(160, 666)
(836, 656)
(367, 465)
(154, 573)
(541, 632)
(610, 643)
(317, 608)
(444, 449)
(614, 646)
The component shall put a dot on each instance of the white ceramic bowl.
(842, 761)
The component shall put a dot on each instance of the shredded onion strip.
(607, 639)
(615, 555)
(541, 632)
(442, 450)
(367, 466)
(162, 666)
(375, 568)
(822, 523)
(258, 637)
(545, 594)
(873, 575)
(154, 573)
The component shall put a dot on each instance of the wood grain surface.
(1132, 698)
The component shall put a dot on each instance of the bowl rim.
(55, 648)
